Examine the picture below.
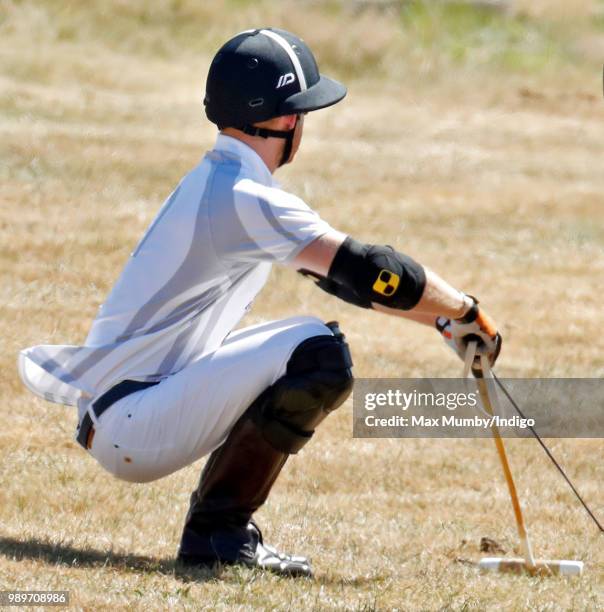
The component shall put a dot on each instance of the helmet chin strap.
(289, 143)
(287, 135)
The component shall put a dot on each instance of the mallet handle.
(486, 401)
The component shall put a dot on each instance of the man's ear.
(289, 121)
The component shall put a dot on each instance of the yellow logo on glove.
(386, 283)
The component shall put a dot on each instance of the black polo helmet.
(262, 74)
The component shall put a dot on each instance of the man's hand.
(474, 325)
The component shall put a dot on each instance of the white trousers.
(154, 432)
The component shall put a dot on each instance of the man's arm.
(380, 278)
(438, 297)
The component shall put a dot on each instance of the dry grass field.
(472, 140)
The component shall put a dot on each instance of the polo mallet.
(499, 564)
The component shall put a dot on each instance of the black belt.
(126, 387)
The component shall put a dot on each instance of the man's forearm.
(438, 299)
(441, 299)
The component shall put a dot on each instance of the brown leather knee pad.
(318, 380)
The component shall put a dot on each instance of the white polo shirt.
(189, 281)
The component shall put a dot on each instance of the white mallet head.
(542, 567)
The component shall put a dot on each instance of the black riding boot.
(239, 475)
(235, 482)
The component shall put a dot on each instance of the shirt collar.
(244, 153)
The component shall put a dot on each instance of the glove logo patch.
(386, 283)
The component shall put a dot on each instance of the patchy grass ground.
(472, 141)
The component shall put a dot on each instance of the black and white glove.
(474, 325)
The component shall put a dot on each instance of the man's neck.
(268, 149)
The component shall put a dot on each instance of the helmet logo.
(285, 79)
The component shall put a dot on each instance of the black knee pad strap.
(318, 380)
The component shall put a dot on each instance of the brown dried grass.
(493, 179)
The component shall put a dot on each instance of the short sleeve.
(262, 223)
